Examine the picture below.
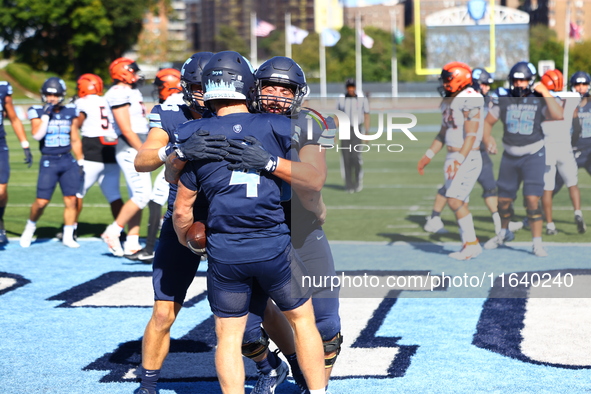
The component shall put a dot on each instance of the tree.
(70, 37)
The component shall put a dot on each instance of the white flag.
(330, 37)
(366, 40)
(297, 35)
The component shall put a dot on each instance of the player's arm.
(123, 119)
(75, 139)
(307, 175)
(435, 147)
(471, 124)
(182, 216)
(18, 128)
(487, 138)
(553, 109)
(577, 128)
(173, 168)
(152, 153)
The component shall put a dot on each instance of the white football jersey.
(99, 118)
(559, 130)
(119, 95)
(453, 109)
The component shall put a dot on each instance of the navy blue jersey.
(5, 90)
(57, 139)
(245, 221)
(585, 119)
(521, 116)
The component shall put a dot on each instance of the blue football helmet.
(580, 77)
(228, 76)
(480, 75)
(522, 70)
(53, 85)
(280, 71)
(191, 74)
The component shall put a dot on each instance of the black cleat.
(141, 255)
(581, 226)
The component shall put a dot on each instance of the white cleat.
(70, 243)
(469, 251)
(539, 251)
(434, 225)
(497, 241)
(27, 236)
(111, 238)
(515, 226)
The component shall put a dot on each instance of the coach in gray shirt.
(357, 109)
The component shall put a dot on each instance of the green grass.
(391, 207)
(31, 80)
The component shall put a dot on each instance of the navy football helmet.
(53, 85)
(228, 76)
(191, 74)
(522, 70)
(281, 71)
(580, 77)
(480, 75)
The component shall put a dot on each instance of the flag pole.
(253, 40)
(394, 55)
(322, 56)
(566, 43)
(287, 34)
(359, 72)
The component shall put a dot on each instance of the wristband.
(272, 164)
(162, 154)
(180, 154)
(430, 154)
(461, 158)
(25, 144)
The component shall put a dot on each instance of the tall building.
(580, 11)
(380, 15)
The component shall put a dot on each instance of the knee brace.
(507, 213)
(489, 193)
(255, 349)
(534, 215)
(332, 348)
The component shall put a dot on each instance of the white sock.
(31, 225)
(68, 233)
(133, 239)
(578, 212)
(537, 241)
(467, 227)
(114, 225)
(319, 391)
(503, 233)
(497, 222)
(551, 226)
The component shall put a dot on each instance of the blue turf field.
(72, 321)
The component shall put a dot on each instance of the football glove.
(250, 155)
(48, 109)
(202, 146)
(422, 164)
(28, 157)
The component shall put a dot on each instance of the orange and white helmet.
(455, 76)
(89, 84)
(124, 70)
(553, 80)
(168, 82)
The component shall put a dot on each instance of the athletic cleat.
(581, 226)
(539, 251)
(515, 226)
(27, 236)
(111, 238)
(551, 231)
(267, 383)
(497, 241)
(434, 225)
(142, 390)
(141, 255)
(3, 237)
(300, 381)
(71, 243)
(469, 251)
(130, 249)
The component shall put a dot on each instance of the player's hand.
(202, 146)
(422, 164)
(250, 155)
(541, 88)
(28, 157)
(452, 170)
(48, 109)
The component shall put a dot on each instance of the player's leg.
(486, 179)
(568, 170)
(109, 184)
(548, 193)
(533, 188)
(357, 164)
(4, 176)
(173, 271)
(434, 223)
(228, 359)
(70, 183)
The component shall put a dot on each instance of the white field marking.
(5, 283)
(413, 208)
(403, 226)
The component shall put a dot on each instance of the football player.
(559, 152)
(174, 265)
(168, 84)
(98, 143)
(521, 109)
(248, 240)
(131, 125)
(7, 107)
(281, 88)
(56, 126)
(462, 114)
(481, 81)
(581, 138)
